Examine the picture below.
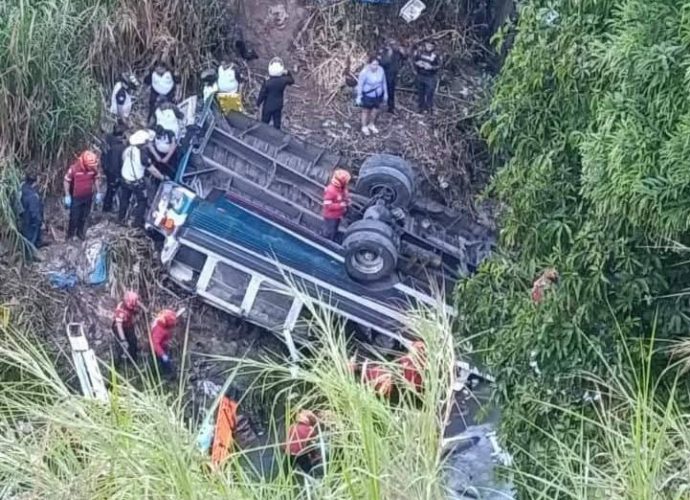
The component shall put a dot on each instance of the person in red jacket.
(336, 200)
(123, 326)
(300, 441)
(161, 335)
(412, 365)
(375, 376)
(547, 280)
(81, 184)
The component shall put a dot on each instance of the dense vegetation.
(54, 443)
(591, 116)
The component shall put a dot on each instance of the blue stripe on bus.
(227, 221)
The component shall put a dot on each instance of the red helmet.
(167, 318)
(341, 177)
(89, 160)
(131, 299)
(306, 417)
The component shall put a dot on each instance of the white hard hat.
(276, 67)
(141, 137)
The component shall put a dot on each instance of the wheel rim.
(368, 261)
(383, 191)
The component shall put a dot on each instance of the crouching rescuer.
(123, 327)
(336, 200)
(161, 334)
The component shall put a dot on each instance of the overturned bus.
(242, 225)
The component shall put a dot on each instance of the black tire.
(389, 176)
(371, 225)
(369, 255)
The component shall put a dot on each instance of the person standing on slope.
(272, 91)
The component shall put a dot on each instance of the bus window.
(228, 284)
(271, 306)
(187, 265)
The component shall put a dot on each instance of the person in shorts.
(372, 91)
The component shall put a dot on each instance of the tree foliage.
(591, 114)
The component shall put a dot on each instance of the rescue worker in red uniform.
(412, 365)
(161, 335)
(123, 326)
(375, 376)
(336, 200)
(547, 280)
(301, 438)
(80, 185)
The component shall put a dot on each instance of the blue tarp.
(99, 271)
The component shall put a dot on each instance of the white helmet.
(141, 137)
(276, 67)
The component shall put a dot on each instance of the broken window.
(228, 284)
(271, 307)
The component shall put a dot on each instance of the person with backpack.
(272, 91)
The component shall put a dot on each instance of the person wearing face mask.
(372, 91)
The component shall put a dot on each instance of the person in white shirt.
(229, 87)
(163, 83)
(135, 163)
(168, 117)
(122, 96)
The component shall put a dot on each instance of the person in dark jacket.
(427, 63)
(32, 211)
(272, 91)
(112, 163)
(391, 59)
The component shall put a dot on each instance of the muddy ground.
(316, 45)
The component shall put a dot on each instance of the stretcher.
(223, 438)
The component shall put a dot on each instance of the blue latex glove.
(67, 201)
(99, 198)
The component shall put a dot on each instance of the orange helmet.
(89, 160)
(131, 299)
(341, 177)
(167, 318)
(384, 385)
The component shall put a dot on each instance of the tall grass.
(55, 55)
(643, 450)
(56, 444)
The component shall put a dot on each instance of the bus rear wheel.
(370, 251)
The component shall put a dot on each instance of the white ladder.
(85, 363)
